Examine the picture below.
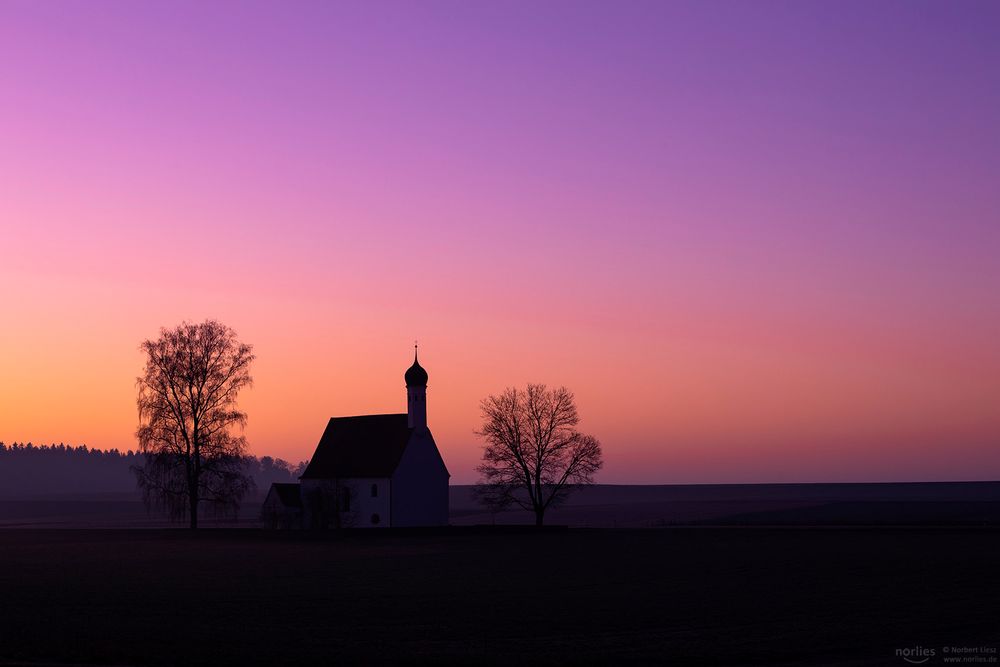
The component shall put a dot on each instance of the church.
(369, 471)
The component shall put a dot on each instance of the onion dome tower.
(416, 394)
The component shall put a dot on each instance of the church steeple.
(416, 394)
(415, 375)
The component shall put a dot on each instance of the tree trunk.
(193, 511)
(539, 513)
(193, 475)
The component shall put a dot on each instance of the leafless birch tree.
(190, 428)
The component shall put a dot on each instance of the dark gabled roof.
(288, 494)
(367, 446)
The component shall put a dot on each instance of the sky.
(759, 241)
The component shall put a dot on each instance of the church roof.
(288, 494)
(366, 446)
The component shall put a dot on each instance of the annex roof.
(288, 494)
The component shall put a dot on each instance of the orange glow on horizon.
(758, 247)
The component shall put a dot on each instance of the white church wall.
(420, 485)
(321, 496)
(370, 511)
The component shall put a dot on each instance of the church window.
(374, 490)
(346, 504)
(375, 519)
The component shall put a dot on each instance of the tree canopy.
(190, 425)
(534, 456)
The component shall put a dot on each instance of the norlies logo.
(916, 655)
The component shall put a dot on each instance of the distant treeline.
(28, 470)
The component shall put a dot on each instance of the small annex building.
(369, 471)
(282, 506)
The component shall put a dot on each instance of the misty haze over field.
(73, 486)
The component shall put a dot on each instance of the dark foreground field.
(694, 595)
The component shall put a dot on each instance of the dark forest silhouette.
(28, 470)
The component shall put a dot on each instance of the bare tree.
(189, 419)
(533, 457)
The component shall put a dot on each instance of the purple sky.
(759, 240)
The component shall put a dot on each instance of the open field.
(692, 595)
(609, 506)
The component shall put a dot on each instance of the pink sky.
(760, 241)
